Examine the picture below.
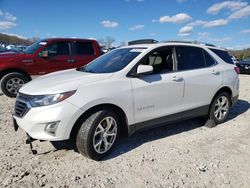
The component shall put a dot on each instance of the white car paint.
(141, 99)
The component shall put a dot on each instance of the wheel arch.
(121, 114)
(12, 70)
(226, 89)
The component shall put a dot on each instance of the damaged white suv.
(126, 90)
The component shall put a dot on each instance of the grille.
(21, 106)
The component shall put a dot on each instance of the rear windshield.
(223, 55)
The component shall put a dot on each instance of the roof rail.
(190, 42)
(142, 41)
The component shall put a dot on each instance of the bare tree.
(123, 43)
(109, 41)
(101, 42)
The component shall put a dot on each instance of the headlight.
(45, 100)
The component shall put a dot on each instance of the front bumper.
(36, 120)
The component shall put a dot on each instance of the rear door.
(58, 58)
(83, 52)
(201, 74)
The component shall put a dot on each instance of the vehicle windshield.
(32, 48)
(113, 61)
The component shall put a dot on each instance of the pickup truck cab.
(42, 57)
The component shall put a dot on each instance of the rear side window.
(208, 59)
(84, 48)
(223, 55)
(189, 58)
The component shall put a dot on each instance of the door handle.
(215, 72)
(177, 78)
(71, 60)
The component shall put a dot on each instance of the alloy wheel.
(221, 107)
(14, 84)
(105, 135)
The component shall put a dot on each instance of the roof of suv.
(169, 43)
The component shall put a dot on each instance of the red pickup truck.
(42, 57)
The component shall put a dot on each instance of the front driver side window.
(59, 48)
(161, 60)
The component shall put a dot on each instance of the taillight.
(237, 70)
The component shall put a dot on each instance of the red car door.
(55, 56)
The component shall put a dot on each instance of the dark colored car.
(244, 66)
(42, 57)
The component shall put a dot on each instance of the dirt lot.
(179, 155)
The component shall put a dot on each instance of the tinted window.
(223, 55)
(84, 48)
(60, 48)
(161, 60)
(189, 58)
(112, 61)
(208, 59)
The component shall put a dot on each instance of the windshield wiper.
(83, 69)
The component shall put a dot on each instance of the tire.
(94, 131)
(219, 109)
(12, 82)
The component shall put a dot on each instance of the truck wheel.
(98, 134)
(12, 82)
(219, 108)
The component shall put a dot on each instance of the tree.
(123, 43)
(109, 41)
(101, 42)
(34, 39)
(10, 39)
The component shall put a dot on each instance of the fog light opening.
(52, 127)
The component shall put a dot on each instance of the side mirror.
(144, 69)
(44, 54)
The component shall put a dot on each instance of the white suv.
(126, 90)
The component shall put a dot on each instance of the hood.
(61, 81)
(12, 56)
(10, 53)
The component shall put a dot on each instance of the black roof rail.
(142, 41)
(207, 44)
(178, 41)
(190, 42)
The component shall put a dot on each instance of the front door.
(57, 56)
(161, 93)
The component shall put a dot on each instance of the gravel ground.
(178, 155)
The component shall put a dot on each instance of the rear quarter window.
(208, 59)
(223, 55)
